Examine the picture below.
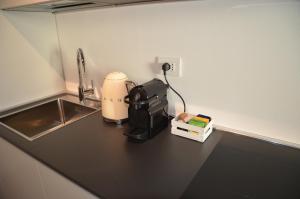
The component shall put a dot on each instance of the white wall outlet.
(176, 65)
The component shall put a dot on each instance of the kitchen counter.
(98, 157)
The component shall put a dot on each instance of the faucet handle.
(92, 83)
(90, 90)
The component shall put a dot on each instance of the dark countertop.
(241, 167)
(98, 157)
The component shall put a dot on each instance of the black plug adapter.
(165, 67)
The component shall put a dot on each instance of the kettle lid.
(116, 76)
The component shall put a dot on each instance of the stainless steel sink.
(39, 120)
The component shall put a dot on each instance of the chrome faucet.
(83, 91)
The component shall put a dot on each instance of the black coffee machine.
(147, 110)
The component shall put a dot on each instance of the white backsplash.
(240, 58)
(30, 61)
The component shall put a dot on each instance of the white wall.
(30, 61)
(241, 58)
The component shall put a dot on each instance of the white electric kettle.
(115, 87)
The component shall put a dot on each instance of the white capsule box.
(190, 131)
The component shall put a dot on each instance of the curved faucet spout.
(82, 91)
(80, 66)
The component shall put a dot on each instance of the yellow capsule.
(201, 119)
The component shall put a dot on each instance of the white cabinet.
(19, 177)
(22, 177)
(57, 186)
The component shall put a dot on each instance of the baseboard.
(257, 136)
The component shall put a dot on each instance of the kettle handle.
(126, 99)
(129, 83)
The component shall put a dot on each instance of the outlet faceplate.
(176, 66)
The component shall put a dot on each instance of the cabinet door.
(59, 187)
(22, 177)
(19, 177)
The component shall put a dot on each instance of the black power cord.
(165, 67)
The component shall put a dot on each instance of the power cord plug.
(165, 67)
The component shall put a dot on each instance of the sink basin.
(39, 120)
